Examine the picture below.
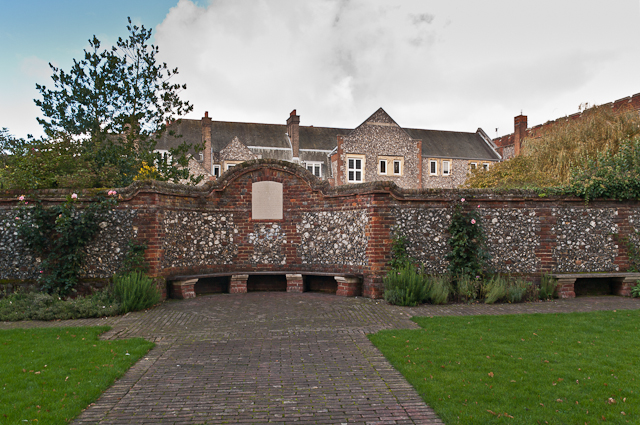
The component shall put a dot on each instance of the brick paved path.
(275, 358)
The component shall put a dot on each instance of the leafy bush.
(468, 255)
(135, 291)
(610, 174)
(441, 289)
(635, 291)
(548, 287)
(405, 286)
(41, 306)
(496, 289)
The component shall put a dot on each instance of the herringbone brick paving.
(275, 358)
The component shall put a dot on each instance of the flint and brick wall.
(346, 231)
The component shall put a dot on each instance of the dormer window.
(315, 168)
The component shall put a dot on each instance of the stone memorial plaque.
(266, 201)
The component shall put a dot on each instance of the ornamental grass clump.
(406, 286)
(517, 290)
(441, 289)
(548, 287)
(496, 289)
(135, 291)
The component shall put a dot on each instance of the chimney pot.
(292, 113)
(206, 114)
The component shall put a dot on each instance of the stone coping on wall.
(210, 187)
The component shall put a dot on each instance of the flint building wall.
(346, 230)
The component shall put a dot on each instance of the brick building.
(377, 150)
(509, 145)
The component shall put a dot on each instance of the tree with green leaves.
(113, 106)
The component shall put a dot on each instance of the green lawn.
(48, 376)
(572, 368)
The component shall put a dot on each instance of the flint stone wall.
(103, 256)
(585, 239)
(333, 237)
(346, 230)
(198, 238)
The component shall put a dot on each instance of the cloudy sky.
(443, 64)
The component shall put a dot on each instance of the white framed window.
(216, 170)
(201, 156)
(485, 166)
(315, 168)
(473, 165)
(446, 168)
(354, 170)
(382, 166)
(397, 167)
(230, 166)
(433, 167)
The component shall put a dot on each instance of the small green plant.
(496, 289)
(468, 255)
(468, 289)
(135, 291)
(441, 289)
(548, 287)
(517, 290)
(405, 286)
(635, 291)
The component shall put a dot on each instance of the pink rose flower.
(112, 193)
(462, 200)
(21, 198)
(74, 196)
(473, 221)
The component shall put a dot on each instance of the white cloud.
(336, 61)
(35, 67)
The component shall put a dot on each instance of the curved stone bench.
(566, 282)
(184, 286)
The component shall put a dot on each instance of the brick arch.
(269, 170)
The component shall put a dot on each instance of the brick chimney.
(206, 139)
(519, 132)
(293, 130)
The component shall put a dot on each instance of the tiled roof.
(444, 144)
(452, 144)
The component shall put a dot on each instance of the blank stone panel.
(266, 201)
